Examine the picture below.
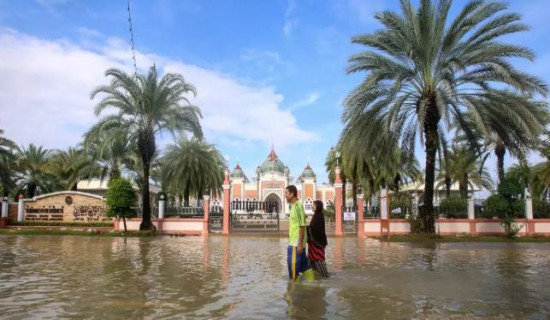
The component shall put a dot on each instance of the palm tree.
(192, 167)
(146, 107)
(33, 173)
(7, 163)
(424, 73)
(463, 166)
(112, 150)
(72, 165)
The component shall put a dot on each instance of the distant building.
(269, 183)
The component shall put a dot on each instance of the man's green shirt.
(297, 220)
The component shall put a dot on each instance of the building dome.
(308, 172)
(237, 172)
(272, 164)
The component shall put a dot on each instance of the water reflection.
(246, 277)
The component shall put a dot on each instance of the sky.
(268, 73)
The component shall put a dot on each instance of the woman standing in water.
(317, 240)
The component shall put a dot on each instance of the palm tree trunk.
(146, 223)
(354, 192)
(431, 138)
(500, 151)
(32, 190)
(186, 193)
(447, 185)
(463, 186)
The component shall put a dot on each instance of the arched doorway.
(273, 204)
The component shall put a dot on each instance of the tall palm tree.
(71, 166)
(463, 166)
(7, 164)
(193, 167)
(146, 107)
(425, 72)
(112, 150)
(33, 173)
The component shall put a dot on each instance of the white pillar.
(5, 207)
(21, 209)
(162, 204)
(471, 209)
(529, 208)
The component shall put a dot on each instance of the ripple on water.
(245, 277)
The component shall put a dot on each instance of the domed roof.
(308, 172)
(272, 164)
(237, 172)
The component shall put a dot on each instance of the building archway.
(273, 203)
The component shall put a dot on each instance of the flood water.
(245, 277)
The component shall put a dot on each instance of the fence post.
(226, 209)
(472, 215)
(530, 227)
(162, 208)
(338, 203)
(5, 207)
(360, 215)
(21, 209)
(206, 214)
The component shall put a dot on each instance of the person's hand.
(300, 249)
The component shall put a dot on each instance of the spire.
(272, 154)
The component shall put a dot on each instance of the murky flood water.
(55, 277)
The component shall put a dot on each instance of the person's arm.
(300, 239)
(303, 225)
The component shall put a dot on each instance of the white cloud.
(45, 89)
(307, 101)
(290, 21)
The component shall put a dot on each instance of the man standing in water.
(297, 237)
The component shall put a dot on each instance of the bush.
(63, 224)
(454, 207)
(495, 206)
(121, 200)
(541, 209)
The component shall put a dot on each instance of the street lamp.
(337, 157)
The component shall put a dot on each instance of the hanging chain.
(132, 39)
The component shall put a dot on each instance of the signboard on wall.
(66, 206)
(349, 216)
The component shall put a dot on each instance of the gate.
(349, 220)
(216, 219)
(247, 216)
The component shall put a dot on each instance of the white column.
(471, 209)
(5, 206)
(21, 209)
(529, 208)
(162, 204)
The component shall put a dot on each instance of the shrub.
(454, 207)
(121, 200)
(541, 209)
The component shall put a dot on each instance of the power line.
(132, 38)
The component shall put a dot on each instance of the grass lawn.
(462, 238)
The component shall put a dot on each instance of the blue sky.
(267, 72)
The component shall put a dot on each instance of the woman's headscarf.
(317, 226)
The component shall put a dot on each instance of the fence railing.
(184, 212)
(255, 206)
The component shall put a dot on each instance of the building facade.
(269, 183)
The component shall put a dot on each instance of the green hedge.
(454, 207)
(62, 224)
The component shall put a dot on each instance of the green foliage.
(107, 224)
(541, 209)
(454, 207)
(329, 213)
(495, 206)
(121, 199)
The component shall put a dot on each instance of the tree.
(424, 73)
(121, 200)
(191, 166)
(7, 164)
(32, 171)
(463, 166)
(146, 107)
(71, 166)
